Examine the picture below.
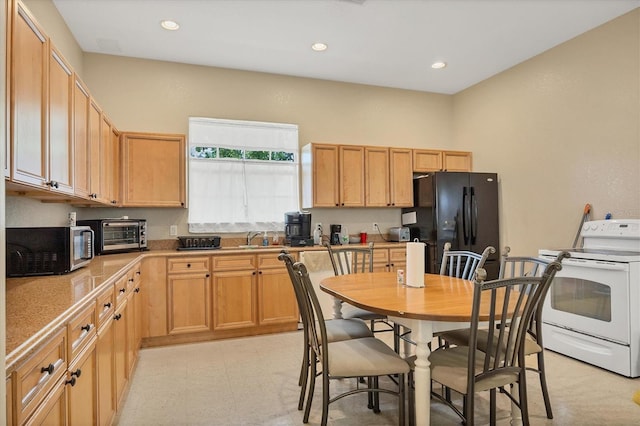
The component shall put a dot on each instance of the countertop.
(37, 306)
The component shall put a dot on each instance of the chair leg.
(401, 398)
(376, 396)
(312, 385)
(325, 399)
(467, 402)
(396, 338)
(522, 391)
(304, 377)
(492, 406)
(543, 385)
(370, 402)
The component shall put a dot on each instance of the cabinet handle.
(260, 272)
(137, 290)
(123, 290)
(86, 327)
(107, 305)
(207, 275)
(48, 369)
(117, 317)
(188, 265)
(253, 273)
(53, 184)
(137, 272)
(71, 382)
(76, 373)
(94, 195)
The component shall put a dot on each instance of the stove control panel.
(615, 228)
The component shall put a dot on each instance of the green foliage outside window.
(240, 154)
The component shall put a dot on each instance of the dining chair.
(511, 267)
(463, 263)
(510, 303)
(355, 260)
(337, 329)
(365, 357)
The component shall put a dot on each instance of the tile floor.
(253, 381)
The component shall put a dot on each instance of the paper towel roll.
(414, 274)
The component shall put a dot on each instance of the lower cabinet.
(389, 260)
(188, 291)
(82, 388)
(120, 371)
(53, 410)
(234, 297)
(105, 377)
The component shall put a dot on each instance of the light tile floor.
(253, 381)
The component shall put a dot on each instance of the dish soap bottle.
(265, 239)
(317, 235)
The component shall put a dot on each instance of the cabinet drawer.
(35, 378)
(187, 264)
(271, 260)
(380, 256)
(120, 290)
(80, 330)
(234, 262)
(398, 255)
(105, 305)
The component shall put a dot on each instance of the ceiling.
(390, 43)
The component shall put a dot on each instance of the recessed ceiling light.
(319, 47)
(438, 65)
(170, 25)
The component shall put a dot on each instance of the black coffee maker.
(297, 229)
(336, 233)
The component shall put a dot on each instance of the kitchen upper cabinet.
(351, 177)
(29, 64)
(456, 161)
(333, 176)
(389, 177)
(60, 146)
(82, 163)
(109, 154)
(427, 160)
(401, 177)
(157, 158)
(95, 142)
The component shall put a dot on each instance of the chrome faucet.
(251, 235)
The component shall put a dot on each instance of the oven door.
(590, 297)
(120, 236)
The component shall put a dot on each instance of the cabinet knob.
(207, 276)
(76, 373)
(86, 327)
(71, 382)
(130, 280)
(188, 265)
(107, 305)
(48, 369)
(123, 290)
(117, 317)
(137, 290)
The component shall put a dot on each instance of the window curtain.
(227, 195)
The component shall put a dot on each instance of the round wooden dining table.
(444, 303)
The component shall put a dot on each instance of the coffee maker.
(297, 229)
(336, 234)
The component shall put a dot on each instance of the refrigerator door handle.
(473, 216)
(465, 215)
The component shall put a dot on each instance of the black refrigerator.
(456, 207)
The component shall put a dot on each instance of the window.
(243, 175)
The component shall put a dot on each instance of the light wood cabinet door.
(401, 175)
(9, 410)
(106, 156)
(82, 388)
(116, 196)
(351, 176)
(456, 161)
(276, 300)
(82, 163)
(154, 297)
(120, 352)
(427, 160)
(60, 142)
(325, 176)
(189, 302)
(53, 410)
(378, 181)
(234, 299)
(157, 158)
(105, 373)
(397, 259)
(95, 137)
(29, 64)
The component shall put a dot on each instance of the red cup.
(363, 237)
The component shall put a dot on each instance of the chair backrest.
(316, 328)
(463, 263)
(351, 259)
(510, 303)
(520, 266)
(298, 289)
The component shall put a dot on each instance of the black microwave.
(118, 235)
(47, 250)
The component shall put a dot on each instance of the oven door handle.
(596, 264)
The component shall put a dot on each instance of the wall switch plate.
(173, 230)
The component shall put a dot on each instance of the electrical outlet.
(374, 226)
(173, 230)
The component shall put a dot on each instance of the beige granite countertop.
(36, 306)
